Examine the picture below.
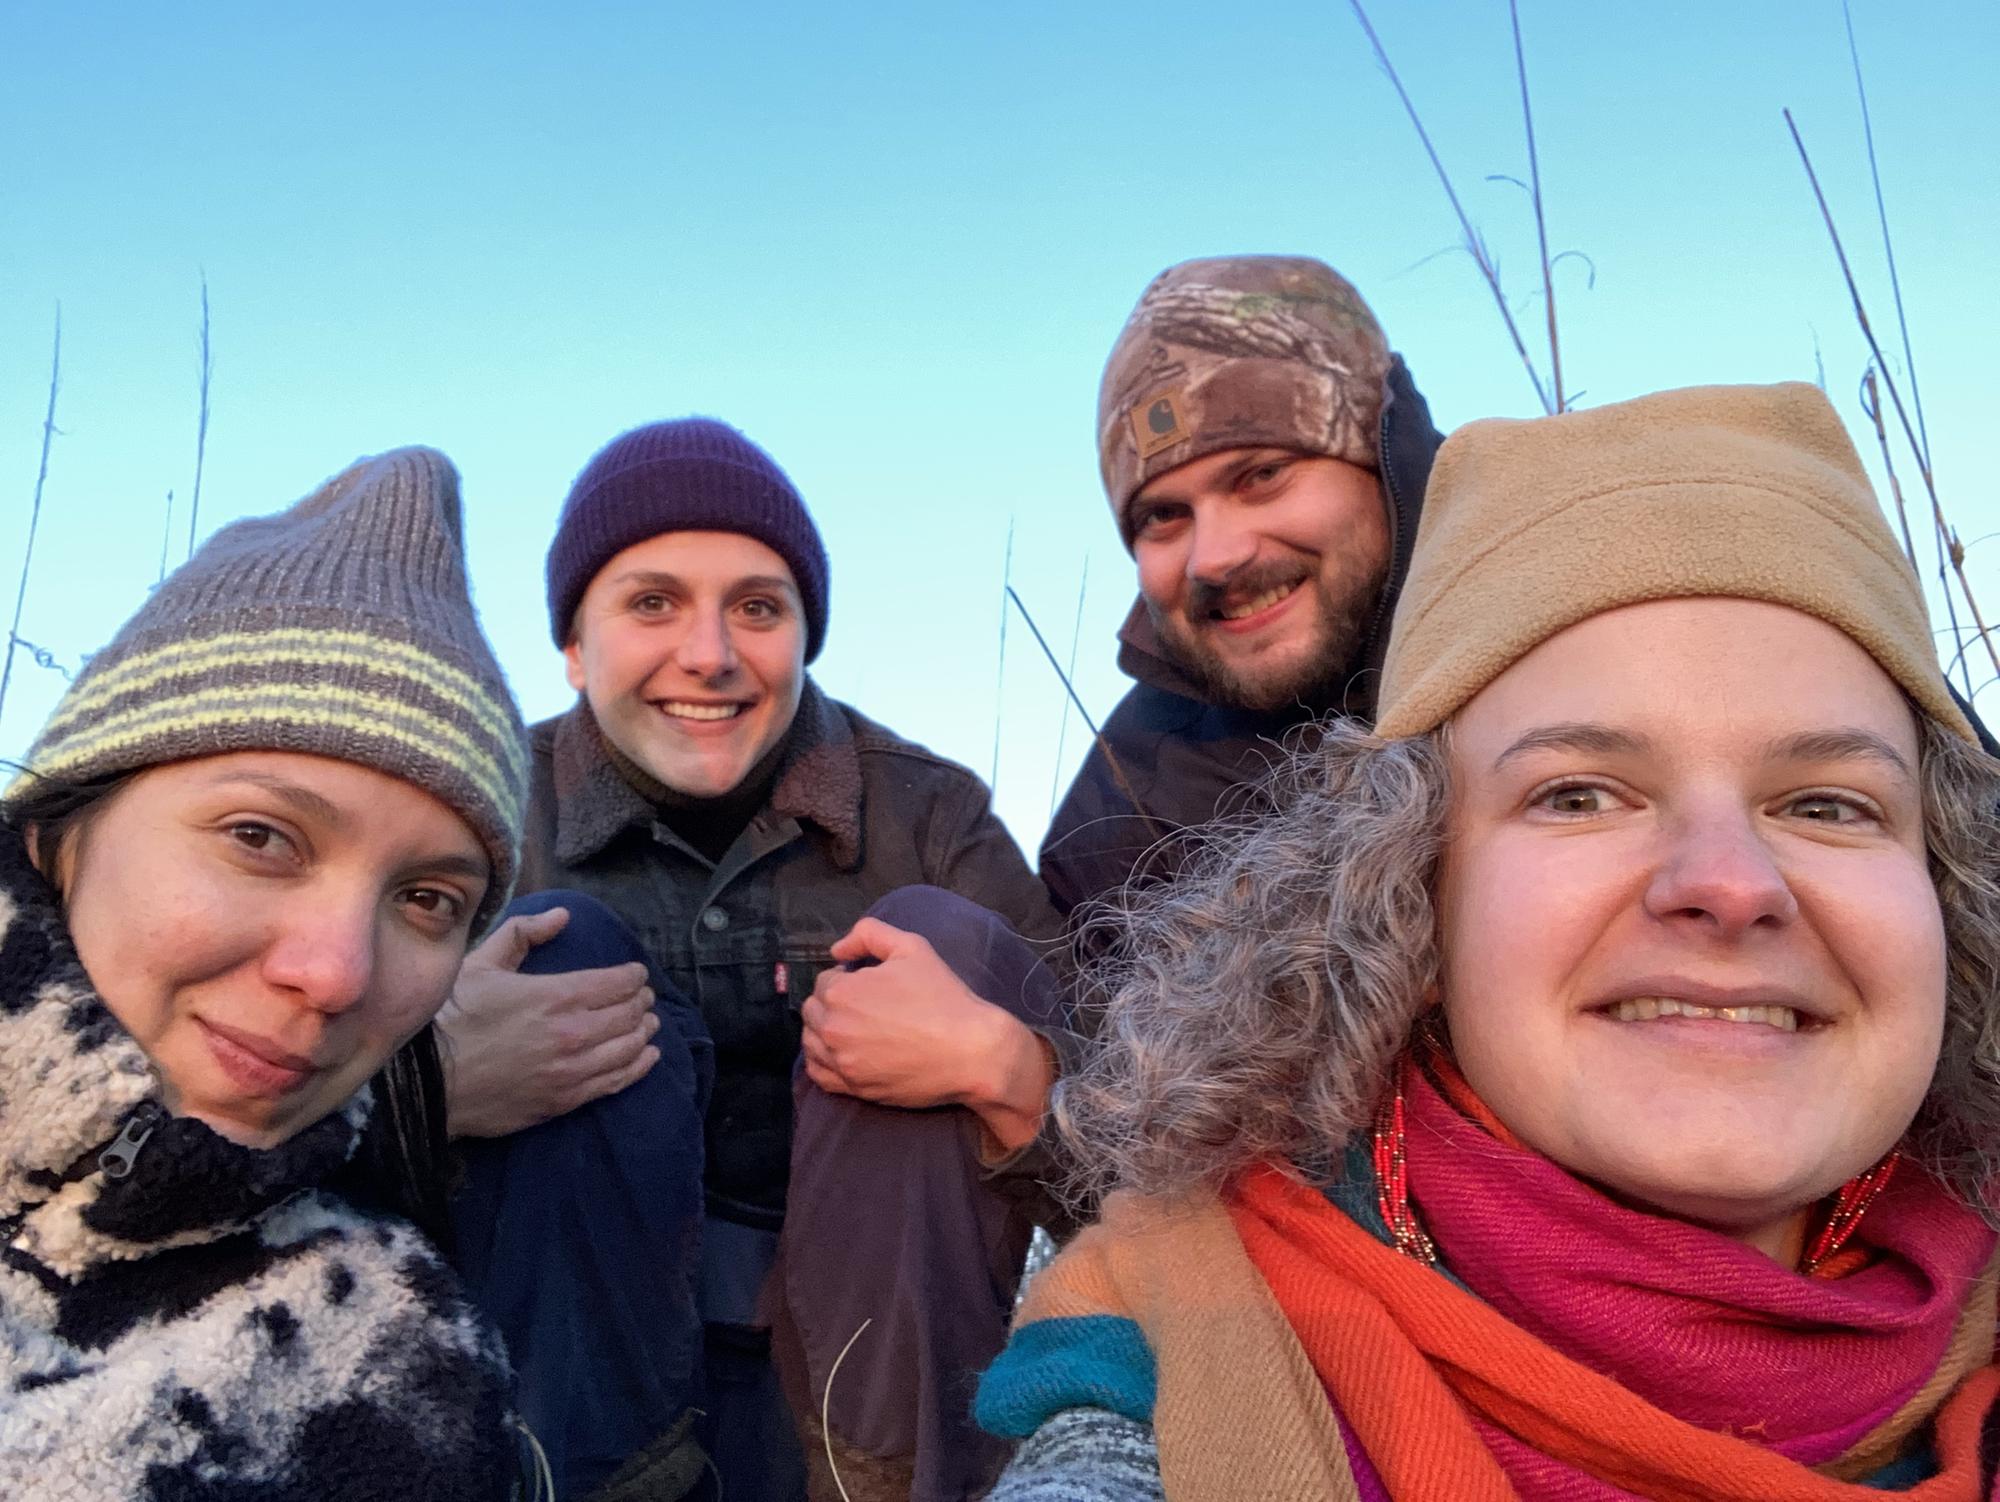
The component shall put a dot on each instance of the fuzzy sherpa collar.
(820, 785)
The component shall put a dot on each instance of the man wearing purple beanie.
(693, 1172)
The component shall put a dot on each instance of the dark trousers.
(580, 1239)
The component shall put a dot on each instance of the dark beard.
(1319, 684)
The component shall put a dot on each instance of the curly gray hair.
(1253, 1007)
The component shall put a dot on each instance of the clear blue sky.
(893, 243)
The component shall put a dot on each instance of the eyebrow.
(764, 581)
(473, 868)
(303, 799)
(1847, 743)
(1575, 735)
(1224, 477)
(654, 579)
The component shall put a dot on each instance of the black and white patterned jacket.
(182, 1318)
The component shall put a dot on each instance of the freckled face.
(270, 927)
(1692, 948)
(690, 649)
(1261, 569)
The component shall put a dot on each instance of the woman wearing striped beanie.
(1587, 1085)
(238, 872)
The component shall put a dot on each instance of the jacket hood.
(1407, 443)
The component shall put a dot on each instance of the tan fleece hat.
(1748, 492)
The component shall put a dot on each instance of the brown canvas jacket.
(856, 813)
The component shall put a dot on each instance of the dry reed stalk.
(201, 425)
(1062, 725)
(1947, 538)
(826, 1407)
(166, 540)
(1000, 673)
(1474, 245)
(1535, 193)
(1110, 756)
(1871, 403)
(1888, 245)
(34, 514)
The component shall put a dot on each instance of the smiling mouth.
(1256, 604)
(255, 1063)
(681, 709)
(1647, 1008)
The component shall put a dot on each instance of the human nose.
(1718, 874)
(1220, 546)
(326, 954)
(706, 649)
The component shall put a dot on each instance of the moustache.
(1205, 600)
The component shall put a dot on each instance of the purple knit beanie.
(692, 474)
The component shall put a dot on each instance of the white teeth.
(1646, 1008)
(702, 711)
(1264, 601)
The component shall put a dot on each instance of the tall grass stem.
(1474, 245)
(34, 514)
(1947, 539)
(1110, 757)
(1535, 193)
(201, 422)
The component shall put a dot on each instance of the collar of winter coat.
(820, 784)
(1407, 444)
(73, 1082)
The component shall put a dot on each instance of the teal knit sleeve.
(1087, 1361)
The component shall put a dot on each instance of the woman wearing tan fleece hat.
(1588, 1084)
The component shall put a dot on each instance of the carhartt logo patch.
(1159, 421)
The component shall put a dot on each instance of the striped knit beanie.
(341, 627)
(692, 474)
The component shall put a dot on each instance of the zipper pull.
(116, 1160)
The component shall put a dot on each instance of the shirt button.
(714, 919)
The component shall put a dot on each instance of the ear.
(573, 662)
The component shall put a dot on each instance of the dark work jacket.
(855, 813)
(1187, 761)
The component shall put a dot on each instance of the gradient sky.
(894, 243)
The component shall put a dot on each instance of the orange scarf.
(1452, 1400)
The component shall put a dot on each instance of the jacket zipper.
(114, 1160)
(118, 1158)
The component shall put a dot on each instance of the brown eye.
(435, 907)
(260, 837)
(1819, 808)
(1574, 799)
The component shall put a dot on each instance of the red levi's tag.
(781, 979)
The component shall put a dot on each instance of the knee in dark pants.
(976, 944)
(593, 938)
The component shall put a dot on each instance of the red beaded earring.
(1392, 1180)
(1849, 1205)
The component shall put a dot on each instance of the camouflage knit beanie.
(690, 474)
(1239, 352)
(341, 627)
